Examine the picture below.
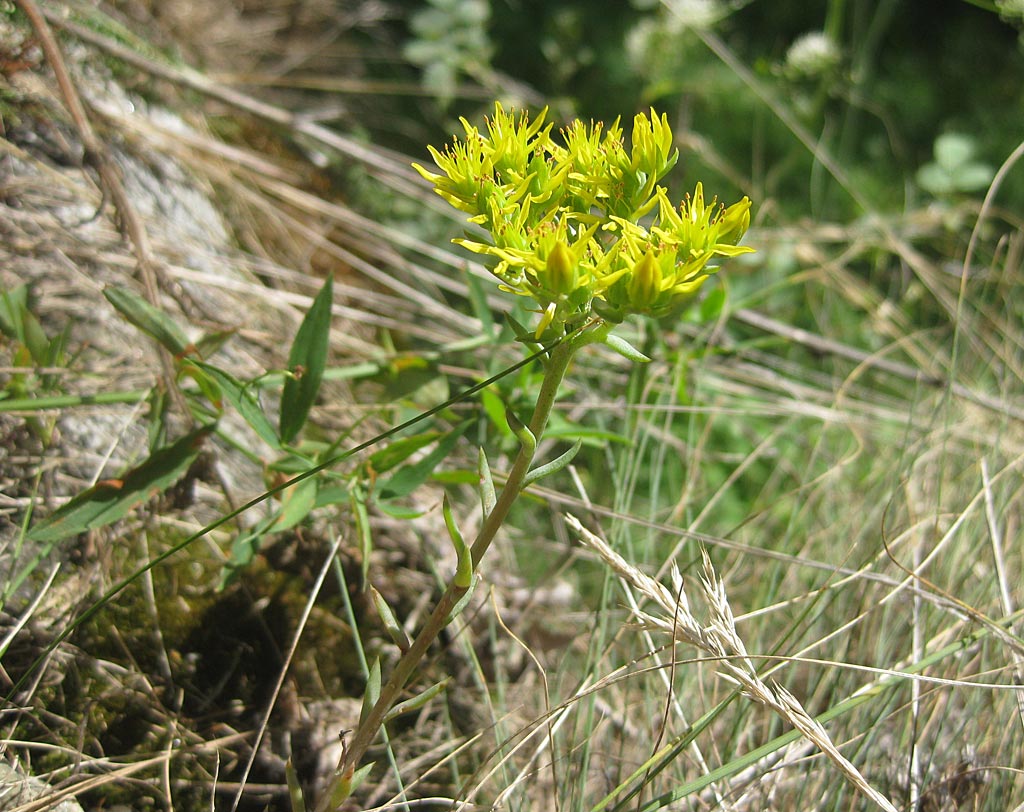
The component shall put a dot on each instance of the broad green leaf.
(243, 398)
(296, 503)
(153, 322)
(456, 476)
(18, 322)
(306, 363)
(112, 499)
(331, 494)
(409, 477)
(207, 386)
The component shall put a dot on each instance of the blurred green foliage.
(874, 84)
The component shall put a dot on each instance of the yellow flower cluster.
(565, 220)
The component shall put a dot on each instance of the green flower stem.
(557, 364)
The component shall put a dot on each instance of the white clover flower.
(812, 54)
(696, 14)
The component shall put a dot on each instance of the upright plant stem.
(557, 364)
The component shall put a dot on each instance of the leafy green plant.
(954, 170)
(449, 40)
(39, 355)
(564, 233)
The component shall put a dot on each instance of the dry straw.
(670, 613)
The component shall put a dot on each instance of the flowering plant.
(564, 228)
(564, 222)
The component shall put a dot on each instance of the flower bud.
(735, 222)
(562, 270)
(645, 282)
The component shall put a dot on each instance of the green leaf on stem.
(521, 431)
(464, 568)
(372, 693)
(391, 624)
(625, 349)
(112, 499)
(418, 701)
(243, 398)
(153, 322)
(554, 466)
(409, 477)
(357, 500)
(306, 363)
(294, 788)
(488, 497)
(463, 602)
(400, 450)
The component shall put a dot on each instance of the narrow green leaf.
(112, 499)
(243, 398)
(488, 497)
(153, 322)
(625, 349)
(209, 343)
(494, 407)
(207, 386)
(372, 692)
(391, 624)
(463, 602)
(396, 510)
(418, 701)
(400, 450)
(348, 784)
(296, 503)
(244, 549)
(409, 477)
(13, 305)
(554, 466)
(35, 339)
(306, 363)
(294, 788)
(521, 332)
(464, 568)
(521, 431)
(357, 501)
